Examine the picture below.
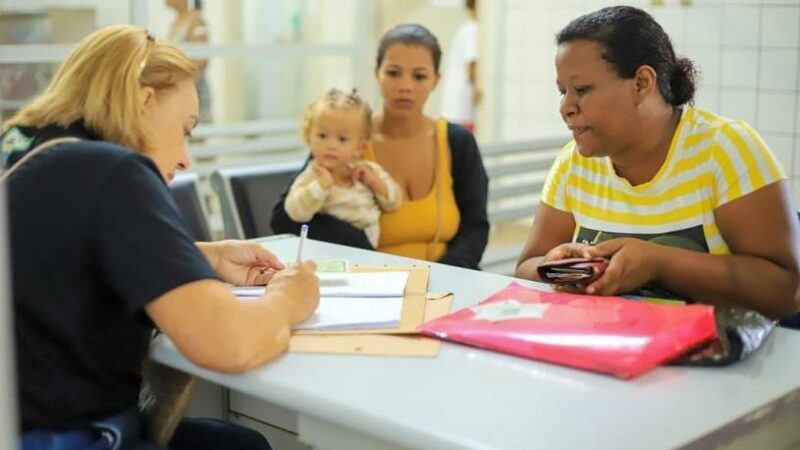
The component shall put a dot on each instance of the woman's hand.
(631, 265)
(300, 286)
(241, 263)
(568, 250)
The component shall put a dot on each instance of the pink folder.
(612, 335)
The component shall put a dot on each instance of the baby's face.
(335, 137)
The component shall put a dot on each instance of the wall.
(747, 52)
(359, 23)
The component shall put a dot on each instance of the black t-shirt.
(95, 236)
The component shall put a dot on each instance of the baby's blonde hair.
(100, 83)
(338, 100)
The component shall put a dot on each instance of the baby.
(337, 181)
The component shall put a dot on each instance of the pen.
(303, 234)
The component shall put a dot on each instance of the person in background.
(100, 255)
(338, 181)
(189, 26)
(460, 93)
(437, 165)
(681, 200)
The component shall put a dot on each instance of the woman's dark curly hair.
(631, 38)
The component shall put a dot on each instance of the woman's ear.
(147, 95)
(645, 82)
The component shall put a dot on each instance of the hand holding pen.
(300, 283)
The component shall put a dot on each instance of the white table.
(470, 398)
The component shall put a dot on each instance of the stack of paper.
(352, 300)
(397, 341)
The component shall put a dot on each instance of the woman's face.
(406, 77)
(596, 104)
(172, 113)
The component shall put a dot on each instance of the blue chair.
(185, 192)
(248, 194)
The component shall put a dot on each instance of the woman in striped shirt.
(680, 200)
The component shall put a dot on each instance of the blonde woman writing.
(100, 255)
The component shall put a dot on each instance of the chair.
(247, 195)
(185, 192)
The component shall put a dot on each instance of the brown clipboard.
(436, 305)
(413, 302)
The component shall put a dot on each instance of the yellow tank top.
(411, 230)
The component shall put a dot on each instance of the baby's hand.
(324, 175)
(370, 179)
(363, 174)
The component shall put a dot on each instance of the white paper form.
(351, 300)
(354, 313)
(351, 284)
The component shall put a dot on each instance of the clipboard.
(436, 305)
(413, 302)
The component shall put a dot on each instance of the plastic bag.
(742, 332)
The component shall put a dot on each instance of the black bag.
(740, 332)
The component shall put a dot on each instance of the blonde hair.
(338, 100)
(100, 83)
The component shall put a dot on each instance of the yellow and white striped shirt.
(712, 160)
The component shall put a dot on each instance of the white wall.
(747, 51)
(357, 22)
